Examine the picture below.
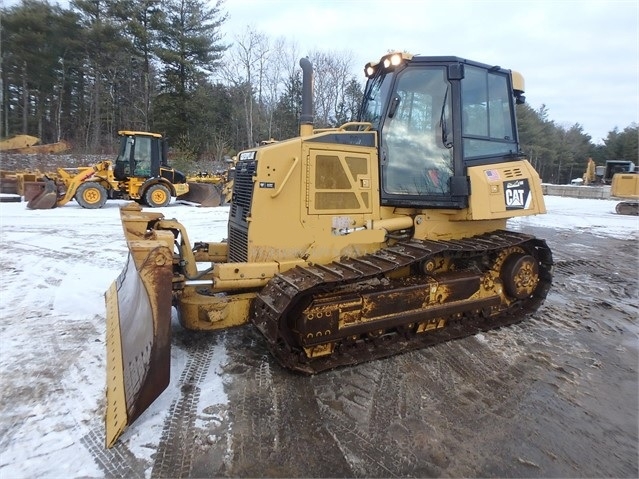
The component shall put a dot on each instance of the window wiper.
(444, 124)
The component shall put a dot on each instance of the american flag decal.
(492, 175)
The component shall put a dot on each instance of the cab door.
(416, 151)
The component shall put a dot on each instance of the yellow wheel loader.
(140, 173)
(347, 244)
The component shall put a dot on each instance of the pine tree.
(189, 46)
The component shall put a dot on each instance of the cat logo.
(517, 194)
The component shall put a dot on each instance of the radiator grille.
(238, 245)
(241, 210)
(511, 173)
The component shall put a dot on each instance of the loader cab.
(436, 116)
(141, 155)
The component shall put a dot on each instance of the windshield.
(142, 158)
(375, 98)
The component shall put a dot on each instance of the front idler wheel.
(520, 275)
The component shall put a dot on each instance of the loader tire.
(91, 195)
(157, 196)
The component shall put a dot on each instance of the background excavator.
(625, 186)
(140, 173)
(347, 244)
(623, 178)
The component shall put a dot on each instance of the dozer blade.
(206, 194)
(45, 199)
(138, 334)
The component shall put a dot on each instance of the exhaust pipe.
(306, 118)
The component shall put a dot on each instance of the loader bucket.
(41, 195)
(206, 194)
(138, 335)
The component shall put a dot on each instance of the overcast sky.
(579, 58)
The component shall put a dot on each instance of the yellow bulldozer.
(347, 244)
(140, 172)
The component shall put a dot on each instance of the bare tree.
(243, 70)
(332, 78)
(282, 65)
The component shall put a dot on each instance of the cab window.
(487, 118)
(417, 148)
(143, 157)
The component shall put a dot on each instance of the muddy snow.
(555, 396)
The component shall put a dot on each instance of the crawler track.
(359, 309)
(628, 208)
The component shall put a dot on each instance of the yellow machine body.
(18, 142)
(26, 144)
(625, 186)
(324, 255)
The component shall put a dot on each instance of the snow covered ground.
(583, 215)
(56, 265)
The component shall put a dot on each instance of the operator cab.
(436, 116)
(141, 155)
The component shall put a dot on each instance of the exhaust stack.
(306, 118)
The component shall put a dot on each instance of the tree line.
(84, 72)
(560, 154)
